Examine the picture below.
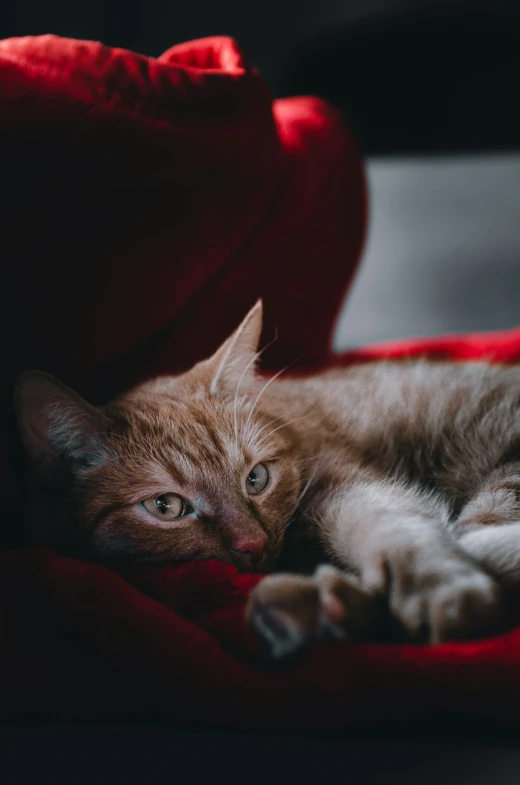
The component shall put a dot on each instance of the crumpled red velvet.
(150, 203)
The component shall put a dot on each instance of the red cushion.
(151, 201)
(173, 174)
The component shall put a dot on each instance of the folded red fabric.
(151, 202)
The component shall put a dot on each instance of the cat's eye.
(257, 479)
(167, 506)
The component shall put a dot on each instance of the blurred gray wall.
(442, 253)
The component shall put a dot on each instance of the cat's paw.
(289, 611)
(442, 605)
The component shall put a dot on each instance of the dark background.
(430, 88)
(413, 76)
(432, 91)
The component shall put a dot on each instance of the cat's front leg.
(488, 527)
(289, 611)
(395, 537)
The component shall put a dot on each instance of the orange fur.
(391, 467)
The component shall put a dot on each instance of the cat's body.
(406, 473)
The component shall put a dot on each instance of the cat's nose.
(252, 548)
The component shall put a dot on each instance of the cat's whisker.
(251, 437)
(297, 510)
(289, 523)
(246, 369)
(309, 459)
(275, 419)
(308, 483)
(264, 388)
(283, 425)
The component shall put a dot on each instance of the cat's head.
(197, 466)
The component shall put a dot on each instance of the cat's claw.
(463, 606)
(281, 634)
(289, 611)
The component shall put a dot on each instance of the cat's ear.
(238, 353)
(62, 434)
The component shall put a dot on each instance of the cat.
(404, 474)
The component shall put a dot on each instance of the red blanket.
(150, 203)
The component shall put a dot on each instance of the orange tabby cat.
(396, 470)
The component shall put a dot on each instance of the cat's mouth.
(261, 566)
